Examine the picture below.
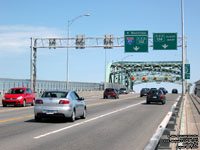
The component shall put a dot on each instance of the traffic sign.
(136, 41)
(187, 71)
(165, 41)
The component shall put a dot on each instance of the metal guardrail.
(163, 131)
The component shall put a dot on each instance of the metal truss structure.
(79, 42)
(132, 73)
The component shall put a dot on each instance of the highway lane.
(11, 113)
(125, 123)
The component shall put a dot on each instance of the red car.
(111, 92)
(19, 96)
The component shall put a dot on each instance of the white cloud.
(16, 39)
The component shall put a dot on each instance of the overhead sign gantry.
(135, 41)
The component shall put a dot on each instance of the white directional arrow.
(165, 46)
(136, 48)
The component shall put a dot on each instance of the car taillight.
(161, 96)
(148, 96)
(38, 101)
(64, 102)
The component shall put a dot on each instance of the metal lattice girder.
(108, 41)
(162, 71)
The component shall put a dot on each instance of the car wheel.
(163, 102)
(33, 103)
(148, 102)
(37, 119)
(73, 117)
(24, 103)
(84, 114)
(4, 105)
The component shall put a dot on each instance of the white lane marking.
(86, 121)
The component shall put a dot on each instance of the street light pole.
(183, 49)
(126, 57)
(68, 30)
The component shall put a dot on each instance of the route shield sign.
(136, 41)
(165, 41)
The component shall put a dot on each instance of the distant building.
(197, 88)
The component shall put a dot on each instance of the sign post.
(165, 41)
(136, 41)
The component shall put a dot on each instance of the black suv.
(174, 91)
(155, 95)
(144, 92)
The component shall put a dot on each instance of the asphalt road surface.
(126, 123)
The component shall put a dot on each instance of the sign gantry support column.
(33, 65)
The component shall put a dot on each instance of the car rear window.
(16, 91)
(153, 92)
(55, 94)
(109, 90)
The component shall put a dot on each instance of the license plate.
(49, 112)
(154, 96)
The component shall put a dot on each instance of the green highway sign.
(187, 76)
(165, 41)
(136, 41)
(187, 71)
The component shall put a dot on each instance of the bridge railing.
(113, 85)
(42, 85)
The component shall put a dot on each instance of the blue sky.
(22, 19)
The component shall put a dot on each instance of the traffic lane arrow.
(165, 46)
(136, 48)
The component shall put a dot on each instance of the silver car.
(59, 103)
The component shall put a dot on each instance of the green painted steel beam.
(122, 71)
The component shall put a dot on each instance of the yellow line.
(15, 109)
(89, 105)
(12, 119)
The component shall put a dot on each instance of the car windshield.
(16, 91)
(123, 89)
(55, 94)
